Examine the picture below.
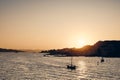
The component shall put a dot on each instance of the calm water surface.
(31, 66)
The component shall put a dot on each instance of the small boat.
(71, 66)
(102, 59)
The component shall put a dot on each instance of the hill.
(101, 48)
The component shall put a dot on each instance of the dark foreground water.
(31, 66)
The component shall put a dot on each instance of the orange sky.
(47, 24)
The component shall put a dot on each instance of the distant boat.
(102, 59)
(71, 66)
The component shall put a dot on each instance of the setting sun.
(81, 40)
(81, 43)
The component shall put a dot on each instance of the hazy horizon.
(49, 24)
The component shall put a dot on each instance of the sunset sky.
(48, 24)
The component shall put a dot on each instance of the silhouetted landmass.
(101, 48)
(9, 50)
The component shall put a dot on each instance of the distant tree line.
(9, 50)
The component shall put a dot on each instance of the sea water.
(34, 66)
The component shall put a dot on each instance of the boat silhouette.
(71, 66)
(102, 59)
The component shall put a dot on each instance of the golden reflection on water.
(82, 69)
